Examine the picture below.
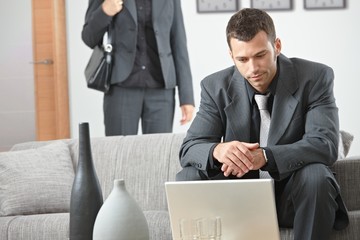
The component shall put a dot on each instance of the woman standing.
(150, 61)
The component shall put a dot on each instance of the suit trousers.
(125, 107)
(307, 202)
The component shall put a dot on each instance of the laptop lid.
(223, 209)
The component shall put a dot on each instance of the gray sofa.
(145, 162)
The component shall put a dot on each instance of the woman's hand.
(112, 7)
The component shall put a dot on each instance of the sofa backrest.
(145, 162)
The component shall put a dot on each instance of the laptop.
(223, 209)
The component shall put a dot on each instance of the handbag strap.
(108, 46)
(110, 32)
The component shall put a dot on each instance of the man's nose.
(253, 65)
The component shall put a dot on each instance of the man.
(302, 142)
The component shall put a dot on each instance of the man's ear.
(277, 46)
(230, 53)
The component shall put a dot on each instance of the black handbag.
(98, 69)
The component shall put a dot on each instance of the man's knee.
(315, 179)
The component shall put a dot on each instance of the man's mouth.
(256, 77)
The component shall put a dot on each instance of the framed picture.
(212, 6)
(270, 5)
(324, 4)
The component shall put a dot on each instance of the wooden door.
(50, 69)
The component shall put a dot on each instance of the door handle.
(45, 61)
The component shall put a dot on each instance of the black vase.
(86, 196)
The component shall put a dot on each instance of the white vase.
(120, 217)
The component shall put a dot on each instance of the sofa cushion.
(159, 224)
(345, 140)
(36, 180)
(54, 226)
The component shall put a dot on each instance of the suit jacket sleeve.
(312, 134)
(180, 54)
(209, 125)
(96, 24)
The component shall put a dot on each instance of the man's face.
(256, 59)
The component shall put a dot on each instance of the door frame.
(50, 74)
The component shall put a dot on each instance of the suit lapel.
(238, 110)
(157, 8)
(284, 101)
(130, 5)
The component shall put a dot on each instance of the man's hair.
(247, 22)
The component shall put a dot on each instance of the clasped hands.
(238, 158)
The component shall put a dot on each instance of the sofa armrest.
(347, 173)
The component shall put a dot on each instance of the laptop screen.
(223, 210)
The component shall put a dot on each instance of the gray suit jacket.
(170, 36)
(304, 121)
